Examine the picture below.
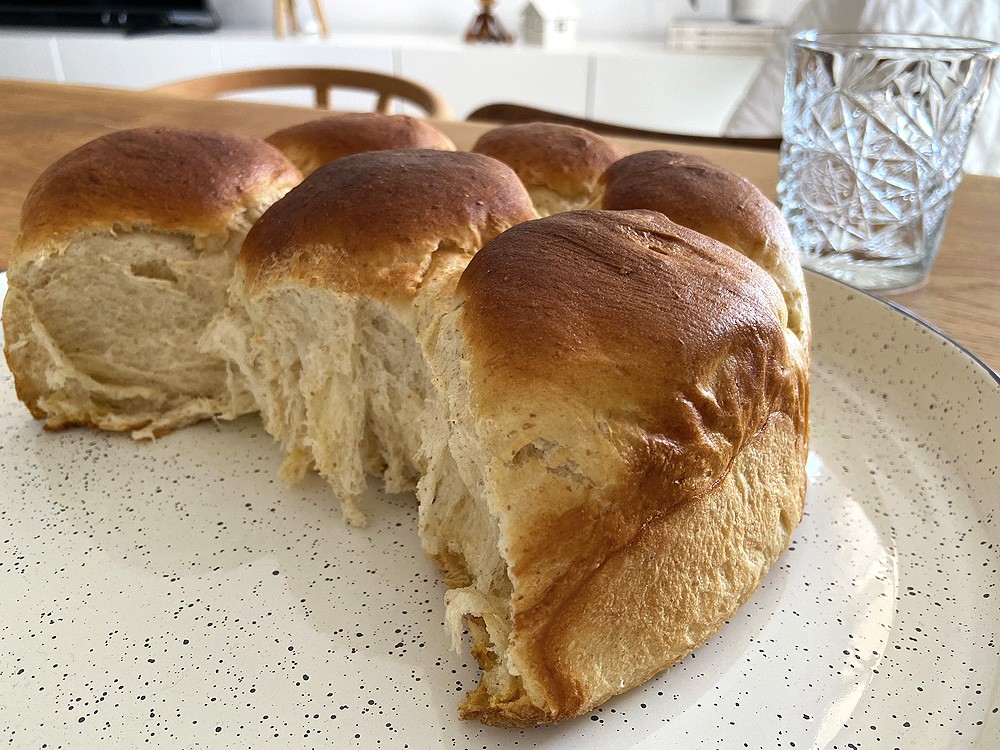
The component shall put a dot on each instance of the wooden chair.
(518, 113)
(321, 80)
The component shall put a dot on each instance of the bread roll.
(622, 456)
(703, 196)
(125, 250)
(323, 309)
(317, 142)
(558, 164)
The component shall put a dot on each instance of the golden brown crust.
(663, 588)
(693, 192)
(562, 158)
(314, 143)
(698, 194)
(680, 436)
(631, 298)
(173, 180)
(372, 222)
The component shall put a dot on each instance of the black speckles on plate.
(177, 594)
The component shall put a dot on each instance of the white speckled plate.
(178, 594)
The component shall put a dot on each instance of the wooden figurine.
(486, 27)
(286, 19)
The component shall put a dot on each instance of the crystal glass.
(874, 130)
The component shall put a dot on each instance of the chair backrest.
(321, 80)
(517, 113)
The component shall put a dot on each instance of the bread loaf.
(604, 412)
(125, 251)
(316, 142)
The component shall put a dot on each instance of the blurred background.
(666, 65)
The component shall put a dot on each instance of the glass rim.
(902, 41)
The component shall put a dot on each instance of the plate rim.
(897, 307)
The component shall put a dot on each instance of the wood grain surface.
(40, 122)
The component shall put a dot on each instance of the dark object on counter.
(486, 27)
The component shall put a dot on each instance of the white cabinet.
(135, 62)
(630, 83)
(29, 56)
(671, 92)
(470, 76)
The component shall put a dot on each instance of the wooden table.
(41, 122)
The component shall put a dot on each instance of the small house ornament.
(550, 23)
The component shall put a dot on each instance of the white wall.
(599, 19)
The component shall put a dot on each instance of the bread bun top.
(373, 222)
(562, 158)
(188, 181)
(317, 142)
(627, 311)
(695, 193)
